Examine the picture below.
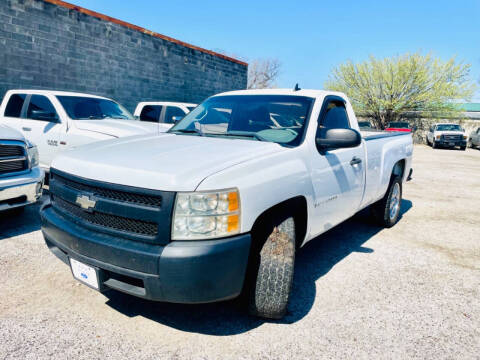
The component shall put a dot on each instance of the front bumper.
(449, 143)
(21, 190)
(180, 272)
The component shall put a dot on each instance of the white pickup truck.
(21, 178)
(164, 113)
(221, 202)
(57, 121)
(447, 135)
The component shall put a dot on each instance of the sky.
(310, 38)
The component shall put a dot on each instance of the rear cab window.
(151, 113)
(14, 105)
(40, 108)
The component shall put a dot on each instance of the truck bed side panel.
(383, 152)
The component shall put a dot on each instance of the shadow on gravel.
(14, 225)
(313, 261)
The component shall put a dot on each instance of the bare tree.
(263, 73)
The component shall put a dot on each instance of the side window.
(171, 112)
(14, 105)
(335, 117)
(40, 108)
(151, 113)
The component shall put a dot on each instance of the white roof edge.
(302, 92)
(55, 93)
(166, 103)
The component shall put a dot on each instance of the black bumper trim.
(180, 272)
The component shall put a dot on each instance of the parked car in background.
(447, 135)
(21, 178)
(401, 126)
(57, 121)
(365, 125)
(221, 202)
(474, 139)
(163, 112)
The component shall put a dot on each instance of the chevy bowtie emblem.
(85, 202)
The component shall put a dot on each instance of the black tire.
(383, 209)
(272, 268)
(463, 148)
(434, 146)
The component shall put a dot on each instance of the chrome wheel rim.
(395, 201)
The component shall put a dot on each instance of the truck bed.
(381, 155)
(380, 134)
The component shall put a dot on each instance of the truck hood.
(7, 133)
(449, 133)
(161, 162)
(117, 128)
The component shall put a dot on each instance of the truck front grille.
(13, 158)
(116, 195)
(109, 221)
(452, 137)
(133, 213)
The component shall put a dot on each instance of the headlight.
(465, 137)
(438, 137)
(32, 155)
(206, 215)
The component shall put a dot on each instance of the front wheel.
(434, 145)
(463, 148)
(273, 264)
(387, 210)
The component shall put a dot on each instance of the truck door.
(42, 126)
(338, 175)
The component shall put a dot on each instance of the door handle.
(355, 161)
(26, 129)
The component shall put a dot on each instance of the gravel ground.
(359, 291)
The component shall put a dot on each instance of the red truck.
(402, 126)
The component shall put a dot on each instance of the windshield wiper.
(245, 134)
(190, 131)
(93, 117)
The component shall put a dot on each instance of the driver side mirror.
(338, 138)
(44, 115)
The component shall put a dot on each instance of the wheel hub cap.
(395, 201)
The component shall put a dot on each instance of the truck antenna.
(296, 87)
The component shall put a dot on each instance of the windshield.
(88, 108)
(190, 108)
(398, 125)
(275, 118)
(449, 127)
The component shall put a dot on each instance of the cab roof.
(302, 92)
(53, 92)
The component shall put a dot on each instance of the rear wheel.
(387, 210)
(272, 266)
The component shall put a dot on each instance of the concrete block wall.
(50, 44)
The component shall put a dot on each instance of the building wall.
(53, 45)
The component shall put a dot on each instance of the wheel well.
(297, 207)
(398, 169)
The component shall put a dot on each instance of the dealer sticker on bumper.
(84, 273)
